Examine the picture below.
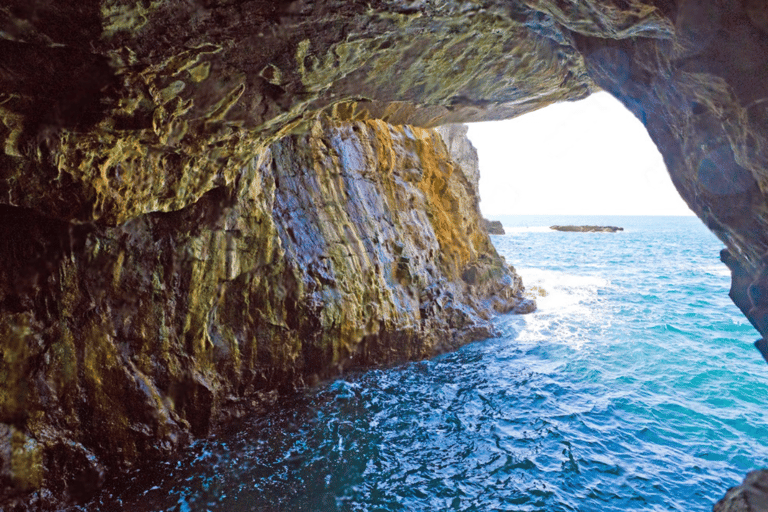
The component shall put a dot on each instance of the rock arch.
(138, 114)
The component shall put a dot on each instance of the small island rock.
(588, 229)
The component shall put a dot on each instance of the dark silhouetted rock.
(588, 229)
(494, 227)
(750, 496)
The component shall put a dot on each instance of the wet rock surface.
(144, 157)
(750, 496)
(587, 229)
(356, 244)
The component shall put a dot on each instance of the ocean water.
(634, 387)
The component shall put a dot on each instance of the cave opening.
(588, 157)
(638, 317)
(208, 281)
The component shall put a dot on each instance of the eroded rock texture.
(462, 151)
(750, 496)
(355, 244)
(143, 153)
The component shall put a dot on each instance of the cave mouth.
(187, 98)
(587, 157)
(637, 317)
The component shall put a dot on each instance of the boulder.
(494, 227)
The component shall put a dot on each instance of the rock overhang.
(140, 106)
(116, 109)
(119, 118)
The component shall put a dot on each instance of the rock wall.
(352, 245)
(462, 151)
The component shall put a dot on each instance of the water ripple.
(633, 388)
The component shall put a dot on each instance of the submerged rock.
(588, 229)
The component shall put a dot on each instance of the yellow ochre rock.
(351, 245)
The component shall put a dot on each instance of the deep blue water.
(634, 387)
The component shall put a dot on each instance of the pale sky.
(590, 157)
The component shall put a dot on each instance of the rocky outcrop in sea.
(494, 227)
(587, 229)
(206, 202)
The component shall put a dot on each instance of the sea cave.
(209, 204)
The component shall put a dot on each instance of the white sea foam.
(565, 296)
(717, 270)
(562, 289)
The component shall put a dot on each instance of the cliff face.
(352, 245)
(151, 204)
(462, 151)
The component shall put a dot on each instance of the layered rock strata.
(352, 245)
(134, 116)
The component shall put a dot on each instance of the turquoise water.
(634, 387)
